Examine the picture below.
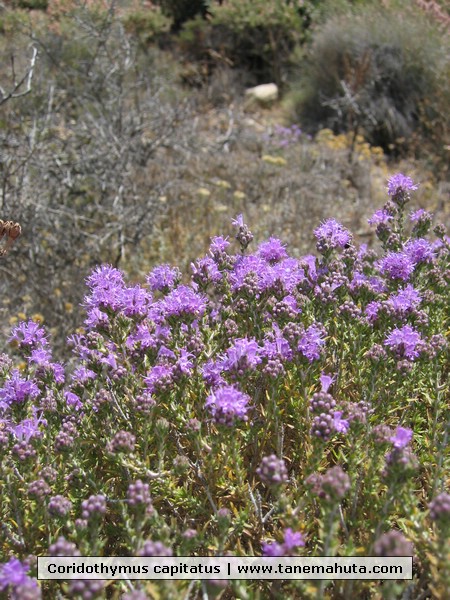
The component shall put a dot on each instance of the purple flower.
(228, 404)
(13, 573)
(205, 271)
(244, 354)
(393, 543)
(73, 400)
(326, 381)
(292, 540)
(419, 250)
(404, 342)
(28, 428)
(159, 378)
(331, 234)
(311, 342)
(244, 236)
(380, 217)
(405, 300)
(331, 486)
(397, 265)
(17, 389)
(184, 301)
(28, 335)
(272, 549)
(272, 470)
(106, 283)
(440, 508)
(372, 310)
(59, 506)
(135, 301)
(401, 438)
(93, 507)
(420, 215)
(340, 425)
(154, 549)
(218, 245)
(272, 251)
(400, 184)
(82, 375)
(163, 278)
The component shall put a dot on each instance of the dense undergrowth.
(267, 405)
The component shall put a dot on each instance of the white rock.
(268, 92)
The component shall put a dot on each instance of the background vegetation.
(123, 122)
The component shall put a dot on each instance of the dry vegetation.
(108, 156)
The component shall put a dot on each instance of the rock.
(264, 94)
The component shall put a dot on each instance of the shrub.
(264, 405)
(382, 72)
(257, 36)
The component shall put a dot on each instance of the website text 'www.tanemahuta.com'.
(224, 567)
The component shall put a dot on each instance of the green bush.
(381, 72)
(146, 25)
(256, 35)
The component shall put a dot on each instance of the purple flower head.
(272, 470)
(291, 541)
(28, 335)
(59, 506)
(399, 186)
(184, 364)
(393, 543)
(13, 573)
(311, 342)
(272, 251)
(244, 354)
(330, 235)
(331, 486)
(401, 438)
(309, 262)
(106, 284)
(405, 300)
(272, 549)
(159, 378)
(163, 278)
(372, 310)
(211, 373)
(205, 271)
(83, 375)
(93, 507)
(218, 245)
(404, 342)
(326, 381)
(73, 400)
(135, 300)
(184, 301)
(380, 217)
(28, 428)
(440, 508)
(420, 215)
(397, 265)
(244, 236)
(227, 404)
(340, 425)
(419, 250)
(154, 549)
(17, 389)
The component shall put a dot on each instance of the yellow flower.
(203, 192)
(274, 160)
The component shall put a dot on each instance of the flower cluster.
(265, 402)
